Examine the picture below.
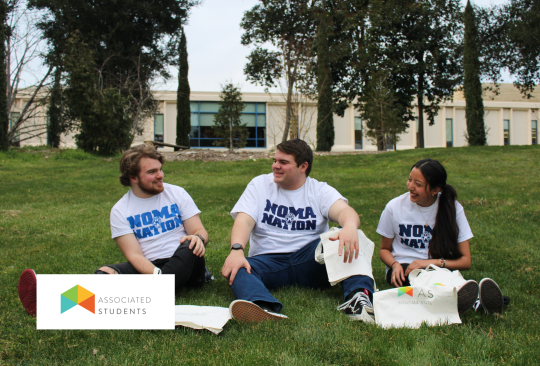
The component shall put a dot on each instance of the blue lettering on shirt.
(156, 222)
(289, 218)
(415, 236)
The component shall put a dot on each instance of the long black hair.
(445, 233)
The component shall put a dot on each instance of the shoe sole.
(367, 316)
(491, 296)
(248, 312)
(467, 295)
(27, 290)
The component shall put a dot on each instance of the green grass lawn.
(54, 218)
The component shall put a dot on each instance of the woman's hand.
(418, 264)
(398, 277)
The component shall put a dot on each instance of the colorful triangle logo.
(438, 284)
(77, 295)
(405, 291)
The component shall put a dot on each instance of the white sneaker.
(247, 312)
(358, 308)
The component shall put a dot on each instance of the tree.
(132, 42)
(419, 42)
(183, 109)
(378, 108)
(511, 35)
(289, 26)
(55, 127)
(472, 87)
(227, 122)
(24, 47)
(4, 112)
(325, 115)
(103, 122)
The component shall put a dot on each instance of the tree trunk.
(288, 110)
(420, 96)
(4, 110)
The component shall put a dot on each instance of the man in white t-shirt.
(156, 225)
(282, 215)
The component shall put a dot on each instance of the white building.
(509, 119)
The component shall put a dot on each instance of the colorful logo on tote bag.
(77, 295)
(405, 291)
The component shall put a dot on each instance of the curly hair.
(300, 150)
(129, 163)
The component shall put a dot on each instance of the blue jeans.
(272, 271)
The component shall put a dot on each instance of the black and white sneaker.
(358, 307)
(248, 312)
(467, 295)
(491, 297)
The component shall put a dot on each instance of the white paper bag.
(327, 253)
(212, 318)
(410, 306)
(434, 275)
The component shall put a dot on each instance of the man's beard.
(150, 189)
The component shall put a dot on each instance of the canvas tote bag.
(410, 306)
(327, 253)
(434, 275)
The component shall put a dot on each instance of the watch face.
(236, 247)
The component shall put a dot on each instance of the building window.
(417, 135)
(358, 133)
(390, 142)
(158, 127)
(534, 132)
(202, 124)
(449, 133)
(13, 119)
(506, 128)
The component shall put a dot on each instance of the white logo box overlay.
(121, 302)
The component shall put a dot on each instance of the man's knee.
(106, 270)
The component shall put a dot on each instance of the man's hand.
(195, 242)
(348, 239)
(233, 263)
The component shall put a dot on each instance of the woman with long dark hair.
(427, 225)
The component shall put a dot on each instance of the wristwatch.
(237, 247)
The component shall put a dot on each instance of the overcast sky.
(215, 53)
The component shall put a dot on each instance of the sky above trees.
(215, 53)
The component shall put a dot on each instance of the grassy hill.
(54, 218)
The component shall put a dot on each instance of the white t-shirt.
(157, 222)
(285, 220)
(402, 220)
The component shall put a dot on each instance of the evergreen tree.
(472, 87)
(183, 110)
(4, 112)
(104, 125)
(132, 42)
(54, 127)
(325, 115)
(227, 122)
(378, 107)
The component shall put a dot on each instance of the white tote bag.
(411, 306)
(327, 253)
(434, 275)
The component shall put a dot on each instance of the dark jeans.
(272, 271)
(187, 268)
(390, 271)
